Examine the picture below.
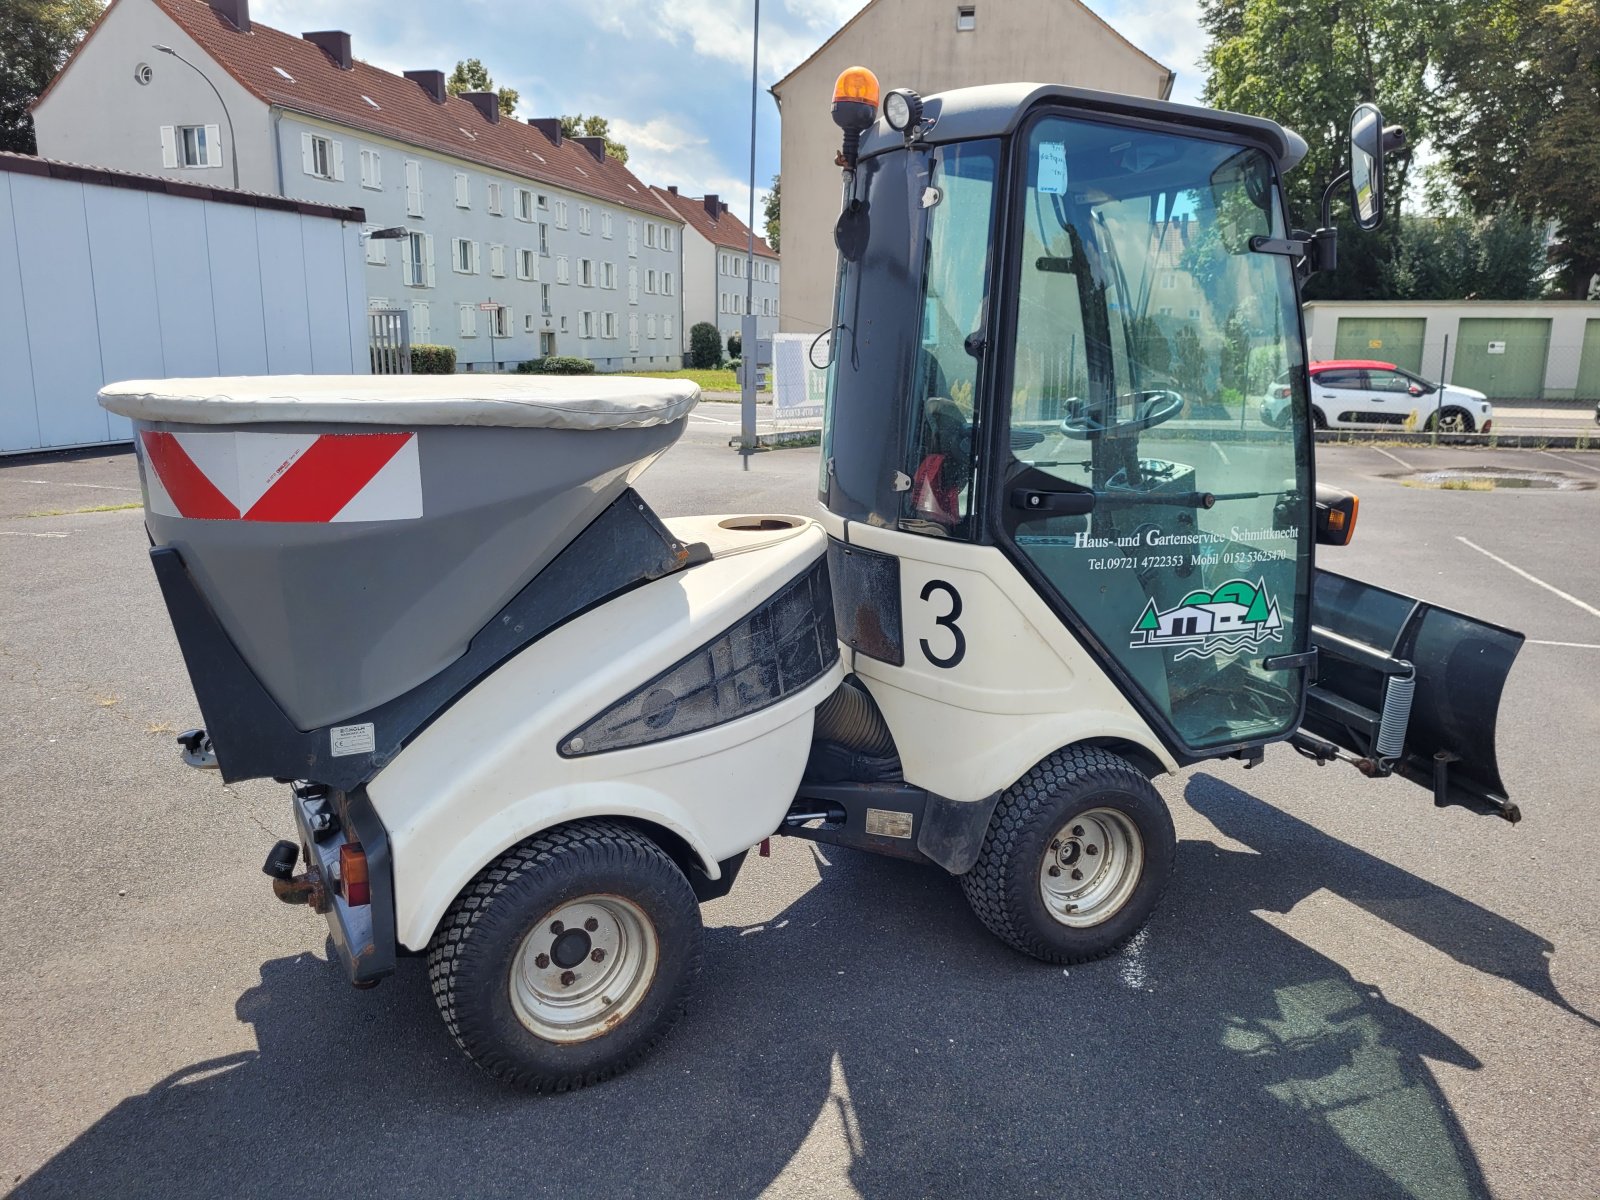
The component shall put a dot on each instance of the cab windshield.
(1149, 337)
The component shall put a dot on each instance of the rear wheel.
(568, 958)
(1451, 420)
(1318, 421)
(1076, 858)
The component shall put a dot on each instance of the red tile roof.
(404, 111)
(723, 230)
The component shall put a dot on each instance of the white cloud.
(663, 152)
(1169, 33)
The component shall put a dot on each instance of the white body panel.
(1024, 687)
(486, 775)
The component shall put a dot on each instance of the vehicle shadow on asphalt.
(873, 1035)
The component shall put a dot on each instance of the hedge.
(433, 360)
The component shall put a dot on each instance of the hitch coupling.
(307, 889)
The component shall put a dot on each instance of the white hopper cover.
(513, 401)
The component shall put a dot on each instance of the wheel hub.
(583, 967)
(1091, 868)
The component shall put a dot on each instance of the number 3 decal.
(949, 622)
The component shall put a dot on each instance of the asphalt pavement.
(1346, 993)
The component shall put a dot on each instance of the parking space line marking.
(1573, 461)
(1574, 645)
(1588, 608)
(105, 487)
(19, 533)
(1396, 458)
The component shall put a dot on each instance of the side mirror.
(1335, 516)
(1366, 165)
(1416, 389)
(1370, 140)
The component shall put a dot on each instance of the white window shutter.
(338, 159)
(477, 261)
(427, 242)
(633, 285)
(306, 160)
(510, 320)
(213, 146)
(405, 261)
(377, 169)
(169, 146)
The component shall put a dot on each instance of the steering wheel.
(1152, 407)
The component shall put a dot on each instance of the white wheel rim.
(583, 968)
(1091, 867)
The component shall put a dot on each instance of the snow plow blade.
(1408, 688)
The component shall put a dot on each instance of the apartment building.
(715, 252)
(517, 242)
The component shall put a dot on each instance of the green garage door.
(1387, 339)
(1589, 363)
(1503, 357)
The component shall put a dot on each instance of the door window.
(955, 287)
(1343, 379)
(1387, 381)
(1148, 417)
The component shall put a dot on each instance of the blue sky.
(673, 76)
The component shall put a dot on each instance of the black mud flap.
(1408, 688)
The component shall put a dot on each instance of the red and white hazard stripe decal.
(290, 477)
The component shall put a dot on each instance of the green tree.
(1519, 84)
(582, 126)
(1306, 64)
(472, 76)
(36, 36)
(705, 346)
(771, 207)
(1500, 257)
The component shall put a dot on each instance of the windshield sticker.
(1239, 615)
(1053, 168)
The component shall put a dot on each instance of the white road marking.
(1571, 599)
(1225, 459)
(19, 533)
(1573, 461)
(713, 420)
(1396, 458)
(105, 487)
(1574, 645)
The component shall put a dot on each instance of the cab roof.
(994, 109)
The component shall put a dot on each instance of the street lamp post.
(747, 326)
(233, 143)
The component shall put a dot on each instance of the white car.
(1365, 394)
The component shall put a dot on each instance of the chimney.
(713, 206)
(488, 103)
(431, 82)
(595, 146)
(549, 126)
(237, 13)
(335, 43)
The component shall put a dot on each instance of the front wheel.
(1077, 856)
(1451, 420)
(568, 958)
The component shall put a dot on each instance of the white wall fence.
(106, 276)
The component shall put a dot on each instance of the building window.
(650, 282)
(561, 214)
(527, 265)
(666, 283)
(501, 322)
(371, 170)
(194, 147)
(469, 320)
(586, 272)
(492, 199)
(465, 256)
(497, 261)
(605, 224)
(608, 325)
(544, 300)
(650, 235)
(463, 190)
(544, 240)
(586, 324)
(524, 204)
(583, 218)
(563, 274)
(416, 260)
(527, 323)
(666, 237)
(966, 18)
(320, 156)
(608, 276)
(544, 202)
(562, 323)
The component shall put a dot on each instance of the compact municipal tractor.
(527, 724)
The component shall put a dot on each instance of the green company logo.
(1239, 615)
